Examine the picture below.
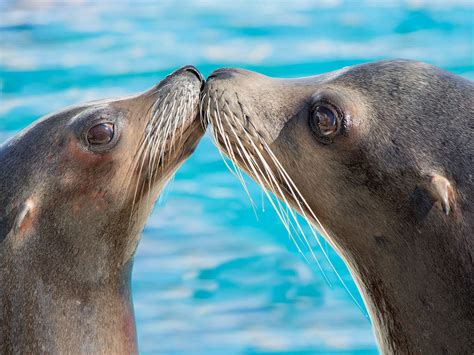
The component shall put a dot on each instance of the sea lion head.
(348, 149)
(78, 184)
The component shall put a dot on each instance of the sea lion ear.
(442, 193)
(435, 190)
(24, 217)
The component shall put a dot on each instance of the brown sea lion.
(379, 158)
(76, 188)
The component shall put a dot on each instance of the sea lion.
(379, 158)
(76, 188)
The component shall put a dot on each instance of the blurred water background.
(210, 278)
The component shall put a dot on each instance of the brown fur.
(406, 146)
(70, 219)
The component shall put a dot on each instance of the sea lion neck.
(55, 309)
(423, 281)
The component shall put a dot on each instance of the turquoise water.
(209, 277)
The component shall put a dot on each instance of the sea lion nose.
(192, 69)
(224, 73)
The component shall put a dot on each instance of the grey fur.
(69, 226)
(409, 124)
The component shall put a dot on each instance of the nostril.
(192, 69)
(222, 73)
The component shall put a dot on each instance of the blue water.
(210, 278)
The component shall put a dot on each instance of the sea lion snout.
(235, 95)
(187, 73)
(193, 70)
(226, 73)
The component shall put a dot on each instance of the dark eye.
(100, 134)
(325, 121)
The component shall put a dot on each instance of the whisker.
(268, 182)
(228, 145)
(297, 197)
(259, 175)
(168, 117)
(265, 176)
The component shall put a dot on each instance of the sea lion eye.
(325, 121)
(100, 134)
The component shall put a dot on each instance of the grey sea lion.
(379, 158)
(76, 188)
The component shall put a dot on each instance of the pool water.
(210, 276)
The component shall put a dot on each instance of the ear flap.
(442, 192)
(24, 218)
(435, 190)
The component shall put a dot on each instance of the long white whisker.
(288, 179)
(231, 153)
(264, 175)
(219, 131)
(253, 166)
(276, 186)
